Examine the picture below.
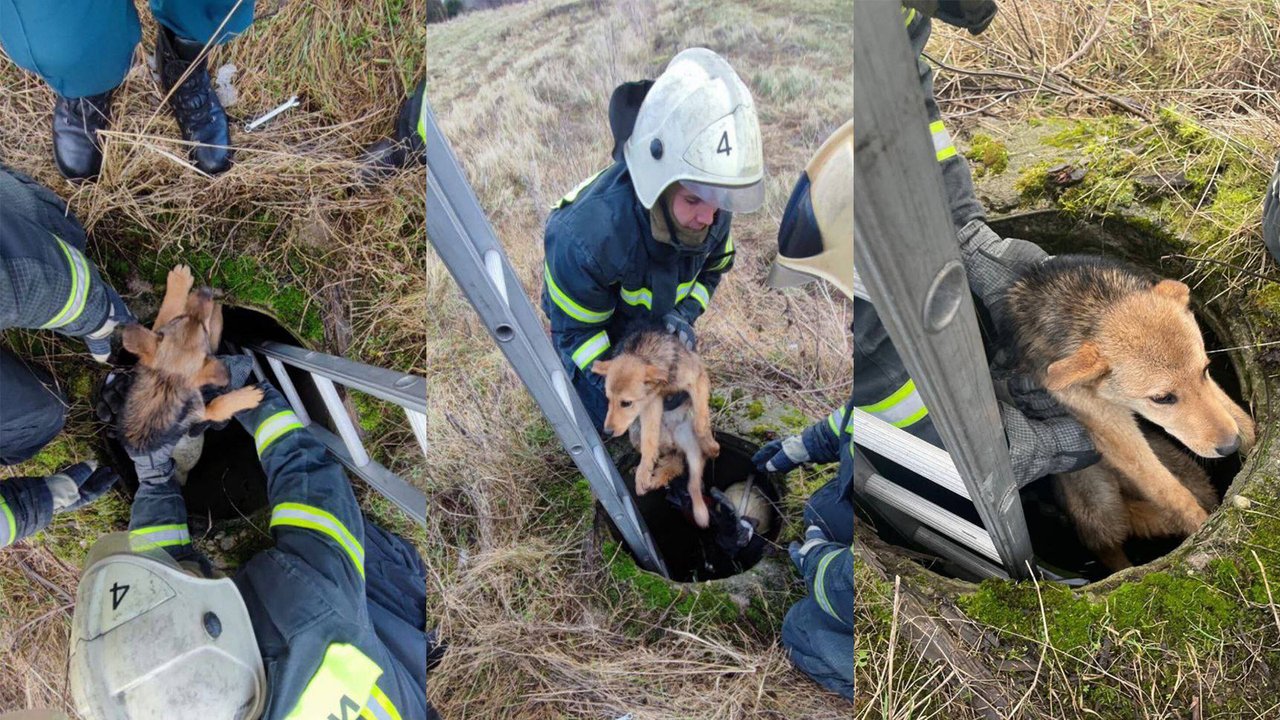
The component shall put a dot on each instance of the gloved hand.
(155, 466)
(782, 455)
(1040, 447)
(239, 368)
(813, 537)
(678, 326)
(99, 341)
(77, 485)
(110, 400)
(732, 532)
(993, 263)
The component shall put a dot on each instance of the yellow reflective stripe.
(909, 15)
(643, 296)
(566, 303)
(313, 518)
(588, 351)
(682, 290)
(339, 687)
(8, 526)
(422, 117)
(942, 145)
(158, 536)
(573, 194)
(820, 584)
(835, 419)
(380, 707)
(904, 407)
(701, 294)
(728, 255)
(79, 268)
(273, 428)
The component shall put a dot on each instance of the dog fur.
(175, 360)
(652, 366)
(1107, 509)
(1110, 343)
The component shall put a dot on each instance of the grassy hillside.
(541, 625)
(285, 230)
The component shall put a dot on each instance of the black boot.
(194, 104)
(76, 122)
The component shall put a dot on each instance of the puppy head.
(181, 347)
(1148, 356)
(631, 385)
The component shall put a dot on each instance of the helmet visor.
(734, 199)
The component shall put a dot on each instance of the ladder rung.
(338, 413)
(905, 501)
(290, 392)
(418, 422)
(907, 450)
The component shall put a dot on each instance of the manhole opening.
(692, 554)
(227, 481)
(1053, 536)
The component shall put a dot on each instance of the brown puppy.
(175, 360)
(1110, 342)
(1107, 509)
(652, 366)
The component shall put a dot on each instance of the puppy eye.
(624, 403)
(1166, 399)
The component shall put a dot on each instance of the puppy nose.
(1229, 448)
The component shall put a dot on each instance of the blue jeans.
(85, 47)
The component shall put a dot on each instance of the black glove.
(993, 264)
(732, 532)
(678, 326)
(1053, 445)
(111, 398)
(239, 367)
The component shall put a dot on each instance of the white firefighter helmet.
(815, 239)
(149, 639)
(697, 126)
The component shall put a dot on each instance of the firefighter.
(647, 240)
(46, 282)
(329, 622)
(83, 50)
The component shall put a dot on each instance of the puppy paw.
(710, 449)
(700, 514)
(180, 280)
(1193, 518)
(253, 397)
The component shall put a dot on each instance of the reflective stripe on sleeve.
(379, 706)
(566, 303)
(642, 296)
(728, 255)
(942, 145)
(820, 584)
(158, 536)
(79, 270)
(701, 294)
(904, 407)
(8, 526)
(274, 428)
(313, 518)
(588, 351)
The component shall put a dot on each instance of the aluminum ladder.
(325, 373)
(906, 251)
(460, 231)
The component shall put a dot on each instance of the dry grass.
(286, 228)
(538, 628)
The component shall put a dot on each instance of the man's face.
(690, 211)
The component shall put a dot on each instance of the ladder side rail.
(286, 386)
(469, 248)
(910, 263)
(391, 486)
(403, 389)
(341, 420)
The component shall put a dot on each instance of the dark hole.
(1053, 535)
(690, 552)
(227, 482)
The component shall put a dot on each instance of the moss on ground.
(989, 156)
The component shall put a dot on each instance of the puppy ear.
(213, 372)
(1173, 290)
(654, 376)
(141, 342)
(600, 367)
(1083, 366)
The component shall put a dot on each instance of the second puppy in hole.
(652, 366)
